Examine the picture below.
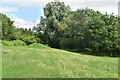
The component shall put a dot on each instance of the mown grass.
(39, 62)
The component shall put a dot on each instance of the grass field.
(38, 61)
(0, 61)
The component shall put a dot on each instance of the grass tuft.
(38, 46)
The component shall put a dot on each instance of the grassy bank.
(45, 62)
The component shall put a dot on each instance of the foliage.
(104, 33)
(8, 29)
(82, 29)
(28, 36)
(76, 32)
(53, 23)
(10, 32)
(28, 39)
(14, 43)
(0, 28)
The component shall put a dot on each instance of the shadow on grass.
(92, 53)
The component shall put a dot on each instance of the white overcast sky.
(26, 13)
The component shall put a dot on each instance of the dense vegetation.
(27, 53)
(14, 43)
(10, 32)
(40, 61)
(81, 30)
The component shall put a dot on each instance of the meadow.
(39, 61)
(81, 43)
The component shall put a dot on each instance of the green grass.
(38, 62)
(0, 60)
(38, 46)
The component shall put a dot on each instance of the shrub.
(19, 43)
(7, 43)
(14, 43)
(29, 39)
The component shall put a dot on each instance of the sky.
(26, 13)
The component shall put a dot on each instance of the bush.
(19, 43)
(7, 43)
(29, 39)
(14, 43)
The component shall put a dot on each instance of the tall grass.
(39, 61)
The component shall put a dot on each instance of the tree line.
(80, 30)
(9, 32)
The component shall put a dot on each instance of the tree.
(104, 33)
(8, 28)
(91, 29)
(76, 32)
(53, 23)
(9, 32)
(82, 29)
(28, 36)
(0, 29)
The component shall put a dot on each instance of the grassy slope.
(39, 62)
(0, 61)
